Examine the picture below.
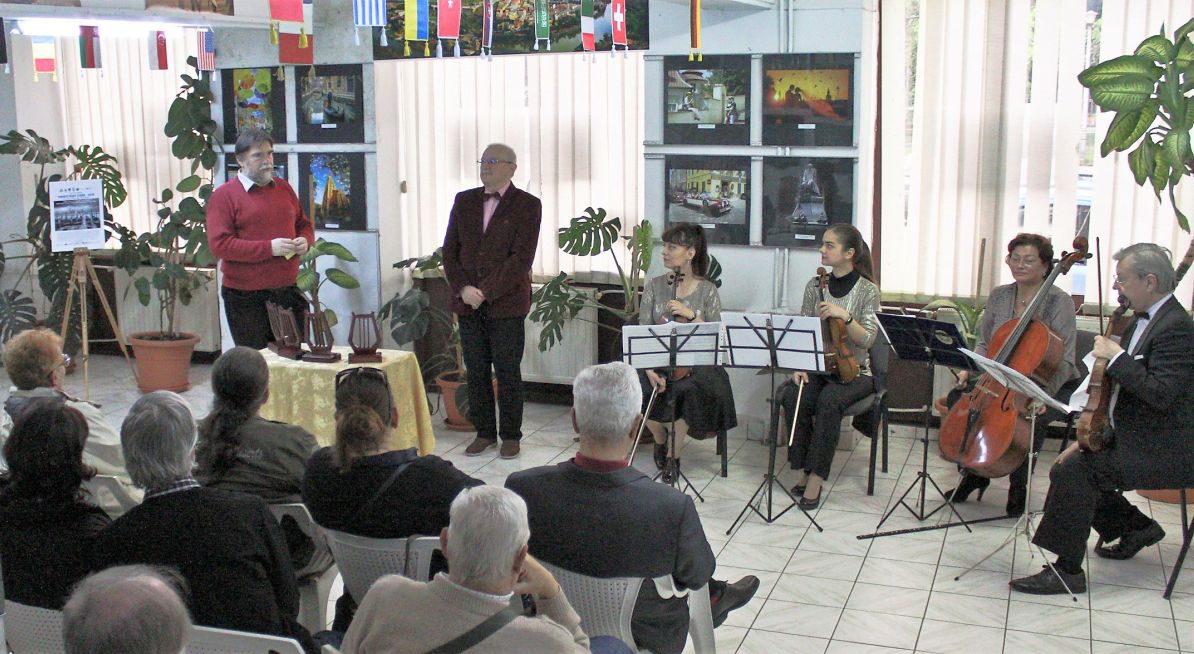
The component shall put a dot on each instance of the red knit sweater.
(240, 226)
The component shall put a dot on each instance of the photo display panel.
(803, 196)
(713, 191)
(707, 102)
(808, 100)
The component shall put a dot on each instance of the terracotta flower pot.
(454, 389)
(162, 365)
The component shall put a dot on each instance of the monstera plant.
(592, 234)
(1148, 91)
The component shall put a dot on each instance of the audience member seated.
(37, 367)
(227, 546)
(597, 516)
(239, 450)
(363, 486)
(131, 609)
(486, 544)
(47, 528)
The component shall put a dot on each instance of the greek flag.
(369, 12)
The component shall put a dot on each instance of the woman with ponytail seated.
(363, 486)
(239, 450)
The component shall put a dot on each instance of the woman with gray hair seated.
(226, 545)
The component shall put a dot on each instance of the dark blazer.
(620, 524)
(228, 547)
(46, 548)
(497, 260)
(1154, 413)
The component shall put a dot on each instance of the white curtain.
(576, 124)
(990, 138)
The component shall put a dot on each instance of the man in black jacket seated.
(596, 516)
(227, 546)
(1151, 378)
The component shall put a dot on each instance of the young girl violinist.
(852, 297)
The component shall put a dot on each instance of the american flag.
(207, 49)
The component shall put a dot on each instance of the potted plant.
(1148, 91)
(411, 315)
(176, 250)
(309, 280)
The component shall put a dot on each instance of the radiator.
(561, 363)
(201, 317)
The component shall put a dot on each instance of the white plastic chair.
(109, 492)
(419, 551)
(210, 640)
(606, 606)
(32, 629)
(363, 561)
(316, 578)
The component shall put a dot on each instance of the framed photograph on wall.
(253, 98)
(332, 189)
(330, 105)
(712, 191)
(808, 99)
(803, 196)
(706, 102)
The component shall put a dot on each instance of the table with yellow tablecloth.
(303, 393)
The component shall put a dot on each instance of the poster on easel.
(76, 215)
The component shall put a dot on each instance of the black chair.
(870, 413)
(1187, 532)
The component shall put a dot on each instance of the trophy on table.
(287, 339)
(364, 335)
(320, 339)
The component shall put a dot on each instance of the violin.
(677, 277)
(988, 430)
(1092, 423)
(839, 357)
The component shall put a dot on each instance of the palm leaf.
(32, 148)
(552, 304)
(94, 163)
(590, 234)
(17, 313)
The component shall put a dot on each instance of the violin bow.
(1099, 280)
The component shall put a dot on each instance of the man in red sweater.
(257, 228)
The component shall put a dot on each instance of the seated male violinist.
(1150, 375)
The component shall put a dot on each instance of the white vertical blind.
(576, 124)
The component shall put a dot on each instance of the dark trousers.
(247, 318)
(819, 421)
(494, 343)
(1084, 493)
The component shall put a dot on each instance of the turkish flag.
(618, 21)
(449, 19)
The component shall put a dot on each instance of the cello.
(988, 431)
(839, 358)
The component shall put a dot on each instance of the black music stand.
(669, 346)
(935, 343)
(772, 343)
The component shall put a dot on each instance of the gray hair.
(158, 439)
(1150, 259)
(250, 138)
(132, 609)
(606, 400)
(487, 528)
(503, 150)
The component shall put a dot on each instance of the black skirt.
(703, 399)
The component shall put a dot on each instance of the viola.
(988, 430)
(1093, 422)
(839, 357)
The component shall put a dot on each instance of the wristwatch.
(849, 320)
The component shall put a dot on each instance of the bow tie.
(495, 195)
(1140, 315)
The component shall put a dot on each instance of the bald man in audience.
(132, 609)
(597, 516)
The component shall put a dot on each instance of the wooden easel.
(80, 272)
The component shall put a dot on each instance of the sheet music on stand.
(908, 336)
(1015, 380)
(799, 341)
(649, 346)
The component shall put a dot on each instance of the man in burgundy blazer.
(492, 236)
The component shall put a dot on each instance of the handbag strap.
(478, 633)
(381, 490)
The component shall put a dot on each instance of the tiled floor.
(831, 592)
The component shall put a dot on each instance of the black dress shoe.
(732, 596)
(1046, 582)
(671, 471)
(809, 503)
(1132, 542)
(660, 455)
(798, 489)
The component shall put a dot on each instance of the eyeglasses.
(375, 374)
(1029, 261)
(493, 162)
(65, 363)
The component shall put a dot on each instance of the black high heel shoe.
(660, 455)
(969, 484)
